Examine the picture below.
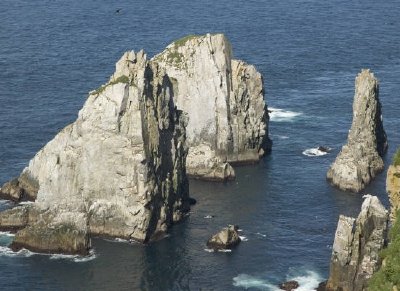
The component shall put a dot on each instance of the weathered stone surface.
(21, 188)
(393, 189)
(360, 159)
(227, 238)
(224, 101)
(118, 170)
(53, 231)
(289, 285)
(355, 253)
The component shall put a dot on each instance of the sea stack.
(224, 101)
(120, 170)
(360, 160)
(117, 171)
(355, 252)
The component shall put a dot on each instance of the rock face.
(355, 253)
(227, 238)
(118, 170)
(360, 159)
(289, 285)
(224, 101)
(393, 189)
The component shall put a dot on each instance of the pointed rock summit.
(355, 251)
(117, 171)
(360, 160)
(224, 102)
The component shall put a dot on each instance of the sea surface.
(52, 52)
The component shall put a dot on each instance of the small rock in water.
(324, 149)
(192, 201)
(227, 238)
(289, 285)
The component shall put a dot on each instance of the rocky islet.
(120, 169)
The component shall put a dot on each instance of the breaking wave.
(6, 251)
(314, 152)
(308, 280)
(281, 115)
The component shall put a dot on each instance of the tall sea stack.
(360, 160)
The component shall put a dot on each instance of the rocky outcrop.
(355, 253)
(224, 101)
(360, 159)
(22, 188)
(227, 238)
(118, 170)
(393, 189)
(289, 285)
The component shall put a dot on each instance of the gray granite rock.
(360, 159)
(227, 238)
(118, 170)
(224, 102)
(355, 252)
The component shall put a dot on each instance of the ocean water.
(53, 52)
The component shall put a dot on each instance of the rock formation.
(355, 253)
(227, 238)
(360, 159)
(118, 170)
(393, 189)
(289, 285)
(224, 101)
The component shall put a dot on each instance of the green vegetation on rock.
(182, 41)
(388, 275)
(121, 79)
(396, 158)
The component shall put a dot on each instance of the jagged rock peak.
(117, 171)
(360, 160)
(355, 251)
(224, 102)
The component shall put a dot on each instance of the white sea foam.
(209, 250)
(281, 115)
(6, 251)
(261, 234)
(282, 136)
(74, 258)
(25, 202)
(247, 281)
(6, 233)
(208, 216)
(314, 152)
(225, 251)
(243, 238)
(308, 280)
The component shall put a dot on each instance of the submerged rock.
(289, 285)
(355, 253)
(227, 238)
(224, 101)
(118, 170)
(360, 159)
